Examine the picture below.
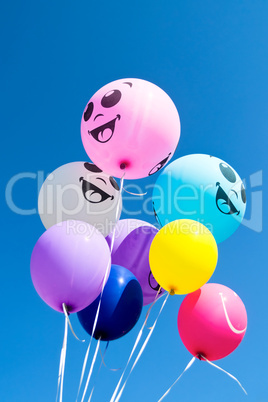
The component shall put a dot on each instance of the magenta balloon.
(68, 265)
(212, 321)
(132, 242)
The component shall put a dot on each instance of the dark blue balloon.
(120, 308)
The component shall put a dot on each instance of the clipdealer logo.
(253, 184)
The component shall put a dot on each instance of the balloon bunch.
(130, 129)
(212, 319)
(209, 191)
(88, 261)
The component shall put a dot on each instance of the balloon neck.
(124, 164)
(172, 292)
(65, 309)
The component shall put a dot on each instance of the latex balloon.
(68, 265)
(132, 242)
(120, 307)
(183, 256)
(212, 321)
(80, 191)
(130, 126)
(202, 188)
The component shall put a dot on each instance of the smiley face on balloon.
(130, 127)
(94, 193)
(226, 191)
(203, 188)
(80, 191)
(212, 321)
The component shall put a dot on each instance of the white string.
(83, 368)
(226, 372)
(69, 322)
(93, 331)
(131, 354)
(101, 363)
(141, 350)
(90, 396)
(64, 358)
(117, 210)
(134, 348)
(186, 368)
(59, 375)
(137, 194)
(103, 285)
(91, 369)
(62, 362)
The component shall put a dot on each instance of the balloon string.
(83, 368)
(130, 356)
(117, 209)
(62, 362)
(69, 322)
(91, 369)
(226, 372)
(186, 368)
(101, 363)
(93, 331)
(139, 354)
(103, 284)
(157, 217)
(150, 308)
(137, 194)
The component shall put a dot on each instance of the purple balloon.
(68, 265)
(132, 242)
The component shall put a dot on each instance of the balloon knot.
(172, 292)
(124, 165)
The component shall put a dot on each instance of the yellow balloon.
(183, 256)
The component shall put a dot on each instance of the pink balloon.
(212, 321)
(130, 125)
(68, 265)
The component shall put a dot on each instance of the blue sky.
(211, 58)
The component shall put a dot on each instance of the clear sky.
(211, 57)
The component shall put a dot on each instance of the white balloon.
(80, 191)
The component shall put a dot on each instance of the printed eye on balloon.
(159, 165)
(81, 191)
(97, 193)
(93, 193)
(203, 188)
(130, 127)
(104, 132)
(228, 202)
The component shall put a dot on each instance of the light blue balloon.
(203, 188)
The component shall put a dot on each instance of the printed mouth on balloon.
(223, 202)
(105, 132)
(92, 193)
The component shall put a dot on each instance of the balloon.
(132, 242)
(183, 256)
(68, 265)
(80, 191)
(212, 321)
(202, 188)
(120, 307)
(132, 126)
